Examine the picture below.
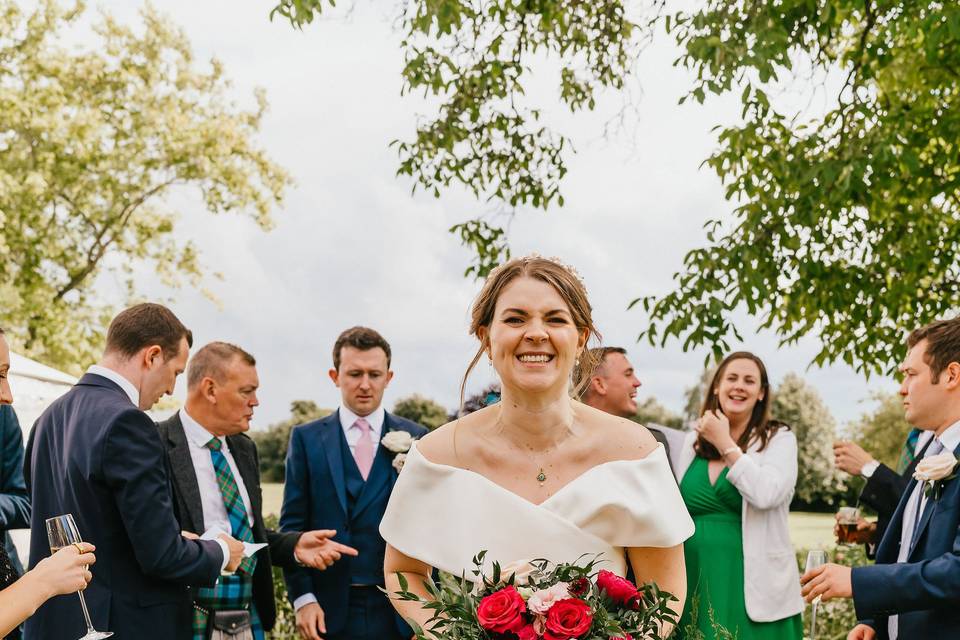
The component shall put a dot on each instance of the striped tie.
(239, 524)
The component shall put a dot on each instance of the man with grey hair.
(612, 387)
(216, 476)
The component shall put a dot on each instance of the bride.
(537, 475)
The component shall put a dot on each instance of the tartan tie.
(909, 451)
(239, 524)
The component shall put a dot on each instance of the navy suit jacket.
(14, 500)
(95, 455)
(315, 497)
(925, 589)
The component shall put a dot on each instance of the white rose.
(398, 461)
(936, 467)
(397, 441)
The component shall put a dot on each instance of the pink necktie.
(363, 452)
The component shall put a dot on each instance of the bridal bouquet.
(550, 602)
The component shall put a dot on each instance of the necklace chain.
(541, 476)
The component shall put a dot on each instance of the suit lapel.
(330, 441)
(928, 510)
(181, 465)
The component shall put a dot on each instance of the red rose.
(579, 587)
(567, 619)
(620, 590)
(502, 611)
(528, 633)
(625, 636)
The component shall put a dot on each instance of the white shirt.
(352, 433)
(214, 511)
(132, 392)
(950, 439)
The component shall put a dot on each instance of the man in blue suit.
(912, 592)
(95, 454)
(339, 476)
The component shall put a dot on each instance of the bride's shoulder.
(440, 445)
(617, 438)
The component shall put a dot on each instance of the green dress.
(714, 557)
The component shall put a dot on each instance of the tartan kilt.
(230, 592)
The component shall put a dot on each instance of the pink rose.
(542, 600)
(620, 590)
(502, 611)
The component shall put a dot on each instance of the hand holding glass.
(847, 519)
(62, 532)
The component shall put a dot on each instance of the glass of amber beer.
(847, 518)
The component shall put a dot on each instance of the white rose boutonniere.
(936, 471)
(397, 442)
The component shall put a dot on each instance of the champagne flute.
(62, 532)
(815, 558)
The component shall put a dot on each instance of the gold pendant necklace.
(541, 477)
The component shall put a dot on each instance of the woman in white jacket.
(737, 473)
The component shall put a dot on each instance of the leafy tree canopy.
(846, 222)
(800, 406)
(90, 141)
(883, 431)
(272, 443)
(421, 410)
(651, 412)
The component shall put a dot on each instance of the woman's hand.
(715, 429)
(66, 571)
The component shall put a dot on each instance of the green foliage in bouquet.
(596, 604)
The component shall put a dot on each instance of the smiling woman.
(572, 481)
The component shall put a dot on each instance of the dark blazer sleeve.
(885, 589)
(883, 490)
(281, 546)
(134, 468)
(296, 508)
(14, 499)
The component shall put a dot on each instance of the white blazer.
(766, 480)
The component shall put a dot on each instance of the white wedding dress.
(444, 516)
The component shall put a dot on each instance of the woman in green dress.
(737, 472)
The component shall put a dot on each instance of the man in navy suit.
(339, 476)
(95, 454)
(912, 592)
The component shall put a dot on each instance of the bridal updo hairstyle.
(760, 427)
(549, 270)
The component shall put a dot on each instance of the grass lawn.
(807, 530)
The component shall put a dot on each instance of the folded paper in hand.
(249, 548)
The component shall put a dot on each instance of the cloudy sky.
(352, 246)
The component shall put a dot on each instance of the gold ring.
(79, 546)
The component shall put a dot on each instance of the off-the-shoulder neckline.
(502, 489)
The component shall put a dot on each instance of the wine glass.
(62, 532)
(815, 558)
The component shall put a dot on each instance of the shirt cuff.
(304, 600)
(226, 553)
(869, 468)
